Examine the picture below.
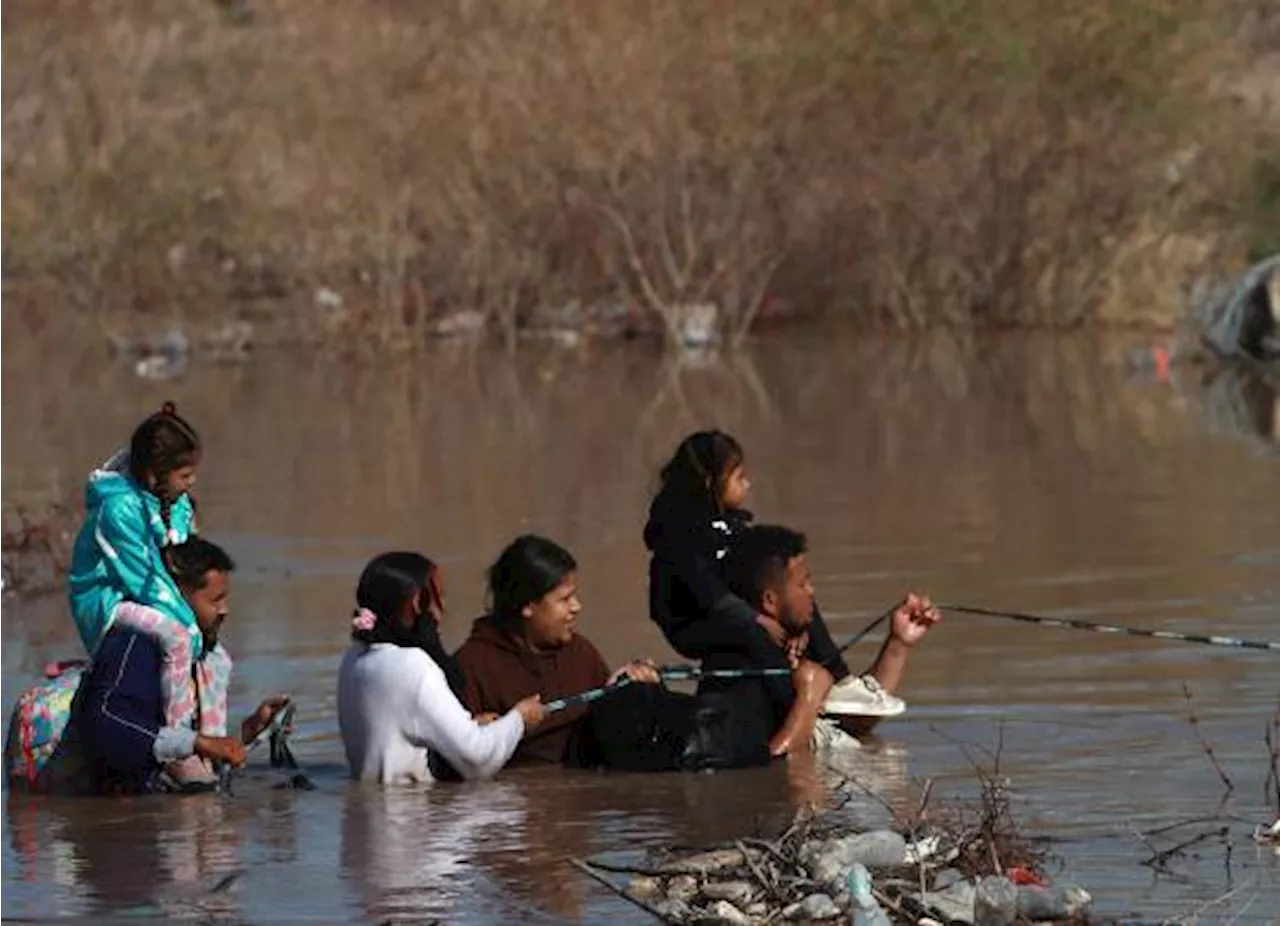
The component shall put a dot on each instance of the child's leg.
(701, 638)
(823, 649)
(213, 675)
(175, 645)
(176, 688)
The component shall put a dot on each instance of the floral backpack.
(38, 726)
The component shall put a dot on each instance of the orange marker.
(1161, 356)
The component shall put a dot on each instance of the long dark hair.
(692, 479)
(164, 442)
(529, 567)
(388, 583)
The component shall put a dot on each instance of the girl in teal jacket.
(136, 505)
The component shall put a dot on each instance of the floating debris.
(813, 907)
(1268, 836)
(460, 324)
(228, 343)
(683, 888)
(738, 893)
(696, 325)
(995, 901)
(169, 355)
(865, 908)
(157, 366)
(706, 863)
(645, 888)
(721, 911)
(971, 866)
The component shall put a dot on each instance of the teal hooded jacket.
(116, 556)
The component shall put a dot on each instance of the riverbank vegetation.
(389, 170)
(36, 547)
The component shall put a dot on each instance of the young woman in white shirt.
(398, 689)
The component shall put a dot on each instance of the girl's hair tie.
(364, 619)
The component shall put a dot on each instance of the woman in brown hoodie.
(528, 645)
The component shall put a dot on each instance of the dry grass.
(36, 548)
(944, 162)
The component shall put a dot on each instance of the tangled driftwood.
(964, 864)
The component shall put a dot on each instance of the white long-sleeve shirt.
(394, 704)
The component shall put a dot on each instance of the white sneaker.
(827, 734)
(862, 696)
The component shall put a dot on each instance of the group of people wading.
(147, 711)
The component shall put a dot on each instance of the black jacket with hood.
(686, 582)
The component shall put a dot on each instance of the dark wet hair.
(530, 567)
(191, 561)
(693, 477)
(163, 443)
(758, 560)
(386, 585)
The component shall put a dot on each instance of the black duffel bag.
(649, 728)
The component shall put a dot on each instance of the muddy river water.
(1024, 474)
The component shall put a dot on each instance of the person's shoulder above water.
(121, 643)
(406, 658)
(106, 483)
(487, 634)
(582, 648)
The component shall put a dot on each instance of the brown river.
(1023, 473)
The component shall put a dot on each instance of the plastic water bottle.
(862, 903)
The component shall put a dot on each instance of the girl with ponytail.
(137, 505)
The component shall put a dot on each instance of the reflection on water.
(127, 857)
(1240, 402)
(1017, 473)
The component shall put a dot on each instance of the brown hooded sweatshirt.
(501, 669)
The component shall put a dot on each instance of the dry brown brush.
(36, 547)
(600, 164)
